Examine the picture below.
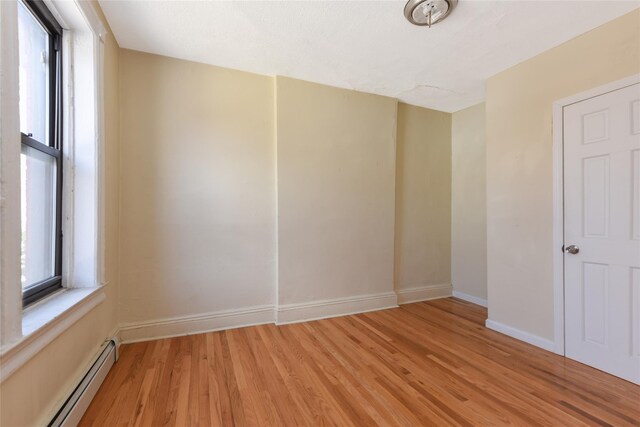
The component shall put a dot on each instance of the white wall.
(10, 238)
(336, 175)
(469, 204)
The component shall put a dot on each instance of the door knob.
(572, 249)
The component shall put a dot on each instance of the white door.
(602, 222)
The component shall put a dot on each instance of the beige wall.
(468, 203)
(198, 189)
(336, 169)
(32, 394)
(423, 198)
(519, 164)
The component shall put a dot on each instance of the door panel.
(596, 196)
(635, 117)
(595, 127)
(602, 218)
(635, 217)
(594, 298)
(635, 312)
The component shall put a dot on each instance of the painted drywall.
(468, 203)
(423, 198)
(519, 165)
(10, 238)
(336, 177)
(32, 394)
(198, 194)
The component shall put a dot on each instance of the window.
(39, 40)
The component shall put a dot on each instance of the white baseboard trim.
(189, 325)
(424, 293)
(294, 313)
(283, 314)
(470, 298)
(521, 335)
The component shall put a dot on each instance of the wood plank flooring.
(429, 363)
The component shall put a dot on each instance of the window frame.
(43, 15)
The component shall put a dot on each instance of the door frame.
(558, 198)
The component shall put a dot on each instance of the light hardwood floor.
(429, 363)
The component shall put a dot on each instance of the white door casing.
(602, 218)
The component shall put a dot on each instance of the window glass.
(34, 76)
(38, 200)
(41, 156)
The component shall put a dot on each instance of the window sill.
(44, 321)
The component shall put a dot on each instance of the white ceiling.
(362, 45)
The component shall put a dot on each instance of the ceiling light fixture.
(428, 12)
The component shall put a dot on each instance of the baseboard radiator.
(75, 406)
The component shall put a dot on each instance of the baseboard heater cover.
(75, 406)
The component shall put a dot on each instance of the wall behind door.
(519, 165)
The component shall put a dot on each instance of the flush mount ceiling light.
(428, 12)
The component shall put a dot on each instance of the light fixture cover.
(428, 12)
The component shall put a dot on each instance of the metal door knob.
(572, 249)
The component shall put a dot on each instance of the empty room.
(319, 213)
